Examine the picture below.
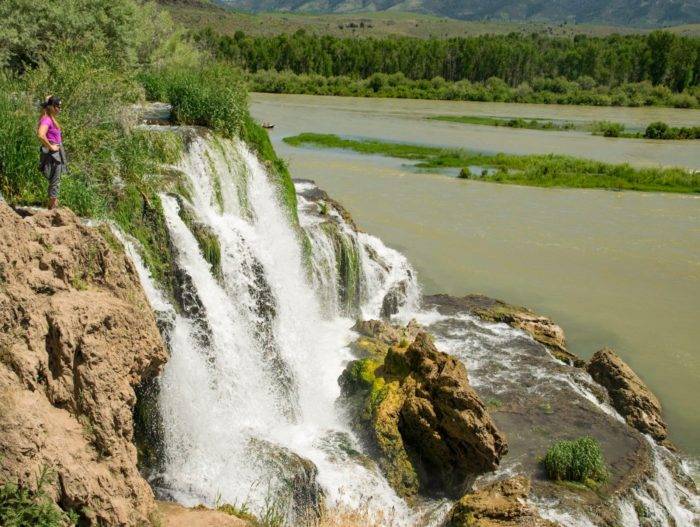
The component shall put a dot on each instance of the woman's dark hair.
(51, 101)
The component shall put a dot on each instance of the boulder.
(541, 328)
(394, 299)
(430, 430)
(77, 336)
(292, 482)
(628, 393)
(500, 504)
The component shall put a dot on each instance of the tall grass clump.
(580, 460)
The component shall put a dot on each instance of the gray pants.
(53, 165)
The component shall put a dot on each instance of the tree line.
(661, 58)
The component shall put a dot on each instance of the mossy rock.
(425, 425)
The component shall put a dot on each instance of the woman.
(52, 160)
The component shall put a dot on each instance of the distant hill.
(637, 13)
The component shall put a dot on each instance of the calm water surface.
(613, 268)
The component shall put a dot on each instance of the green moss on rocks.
(348, 266)
(259, 141)
(207, 240)
(141, 215)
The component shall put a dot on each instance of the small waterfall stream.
(260, 336)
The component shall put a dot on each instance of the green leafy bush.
(580, 460)
(656, 130)
(210, 95)
(22, 507)
(32, 29)
(608, 129)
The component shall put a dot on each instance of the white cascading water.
(223, 391)
(257, 361)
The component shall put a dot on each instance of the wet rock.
(430, 430)
(500, 504)
(394, 299)
(316, 195)
(69, 364)
(542, 329)
(292, 480)
(629, 395)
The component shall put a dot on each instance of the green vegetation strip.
(656, 130)
(534, 170)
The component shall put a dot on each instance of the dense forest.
(659, 57)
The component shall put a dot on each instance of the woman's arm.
(41, 134)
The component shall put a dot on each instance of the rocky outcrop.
(292, 482)
(628, 394)
(76, 337)
(542, 329)
(500, 504)
(430, 430)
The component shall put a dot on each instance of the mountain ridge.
(638, 13)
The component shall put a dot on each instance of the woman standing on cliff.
(52, 159)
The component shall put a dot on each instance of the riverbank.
(533, 170)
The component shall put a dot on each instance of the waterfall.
(258, 333)
(251, 384)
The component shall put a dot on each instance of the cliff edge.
(76, 337)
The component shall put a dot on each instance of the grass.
(547, 170)
(579, 461)
(21, 506)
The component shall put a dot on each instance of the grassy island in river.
(547, 170)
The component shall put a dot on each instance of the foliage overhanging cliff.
(103, 58)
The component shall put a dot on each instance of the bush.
(211, 95)
(657, 130)
(580, 460)
(608, 129)
(21, 507)
(32, 29)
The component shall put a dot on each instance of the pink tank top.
(53, 134)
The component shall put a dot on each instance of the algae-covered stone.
(428, 427)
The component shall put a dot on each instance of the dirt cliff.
(76, 337)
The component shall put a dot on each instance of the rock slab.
(500, 504)
(628, 393)
(76, 337)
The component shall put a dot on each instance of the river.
(613, 268)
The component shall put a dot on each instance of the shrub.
(608, 129)
(22, 507)
(657, 130)
(211, 95)
(32, 29)
(580, 460)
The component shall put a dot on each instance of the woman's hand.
(54, 148)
